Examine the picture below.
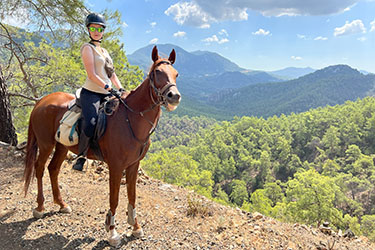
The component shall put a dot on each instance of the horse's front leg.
(115, 175)
(131, 181)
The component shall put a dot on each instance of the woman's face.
(96, 31)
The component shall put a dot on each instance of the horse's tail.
(31, 151)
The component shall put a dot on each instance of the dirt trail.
(162, 210)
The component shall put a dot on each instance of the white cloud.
(223, 32)
(204, 12)
(301, 36)
(189, 13)
(153, 41)
(362, 39)
(223, 40)
(372, 26)
(219, 9)
(262, 32)
(153, 24)
(215, 39)
(179, 34)
(296, 58)
(354, 27)
(320, 38)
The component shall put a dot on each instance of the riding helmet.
(95, 18)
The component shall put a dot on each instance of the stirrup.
(79, 164)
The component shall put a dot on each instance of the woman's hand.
(115, 93)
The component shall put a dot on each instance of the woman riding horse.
(124, 143)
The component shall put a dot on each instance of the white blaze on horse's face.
(166, 74)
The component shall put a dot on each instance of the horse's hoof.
(37, 214)
(138, 233)
(115, 239)
(65, 210)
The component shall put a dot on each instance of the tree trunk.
(7, 130)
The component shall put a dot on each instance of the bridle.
(160, 94)
(161, 98)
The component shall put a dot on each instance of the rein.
(161, 100)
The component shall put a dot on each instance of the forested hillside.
(309, 167)
(329, 86)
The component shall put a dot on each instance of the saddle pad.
(67, 134)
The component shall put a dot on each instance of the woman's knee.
(89, 127)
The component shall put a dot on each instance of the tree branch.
(24, 96)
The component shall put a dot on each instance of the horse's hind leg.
(39, 172)
(54, 170)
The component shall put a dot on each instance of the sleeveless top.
(99, 62)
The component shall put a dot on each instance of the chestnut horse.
(123, 145)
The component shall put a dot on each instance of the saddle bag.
(67, 133)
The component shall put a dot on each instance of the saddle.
(71, 123)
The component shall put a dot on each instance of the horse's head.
(163, 80)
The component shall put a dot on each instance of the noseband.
(161, 98)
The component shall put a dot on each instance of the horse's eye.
(158, 71)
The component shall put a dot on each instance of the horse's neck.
(140, 101)
(140, 98)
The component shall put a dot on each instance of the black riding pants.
(90, 102)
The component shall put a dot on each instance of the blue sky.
(255, 34)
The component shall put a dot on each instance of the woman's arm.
(88, 62)
(114, 79)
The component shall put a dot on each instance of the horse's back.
(47, 113)
(55, 99)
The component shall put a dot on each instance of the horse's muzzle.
(173, 98)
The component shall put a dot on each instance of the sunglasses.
(100, 29)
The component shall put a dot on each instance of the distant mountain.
(202, 73)
(208, 86)
(329, 86)
(198, 63)
(292, 72)
(214, 86)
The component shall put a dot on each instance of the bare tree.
(7, 130)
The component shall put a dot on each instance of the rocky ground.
(172, 217)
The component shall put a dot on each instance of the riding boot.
(83, 147)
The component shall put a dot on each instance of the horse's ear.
(155, 54)
(172, 56)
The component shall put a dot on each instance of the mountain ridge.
(292, 72)
(213, 85)
(205, 71)
(329, 86)
(202, 63)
